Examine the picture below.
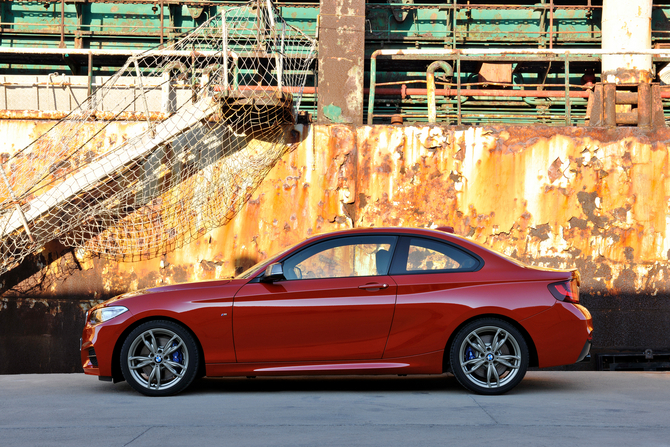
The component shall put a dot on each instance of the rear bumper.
(585, 351)
(562, 335)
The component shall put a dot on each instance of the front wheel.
(489, 356)
(159, 358)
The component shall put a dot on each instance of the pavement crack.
(137, 437)
(484, 410)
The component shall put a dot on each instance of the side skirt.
(430, 363)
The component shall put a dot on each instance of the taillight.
(565, 291)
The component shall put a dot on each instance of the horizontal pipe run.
(98, 52)
(528, 51)
(99, 115)
(484, 92)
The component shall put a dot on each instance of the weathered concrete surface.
(341, 61)
(547, 408)
(560, 197)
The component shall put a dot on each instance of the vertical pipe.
(447, 26)
(454, 25)
(609, 104)
(626, 25)
(373, 81)
(78, 40)
(543, 15)
(568, 109)
(90, 73)
(62, 24)
(551, 24)
(430, 92)
(236, 71)
(224, 39)
(273, 33)
(430, 86)
(280, 67)
(162, 24)
(458, 88)
(644, 99)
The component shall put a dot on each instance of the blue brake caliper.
(177, 356)
(469, 354)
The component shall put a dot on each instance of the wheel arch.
(117, 375)
(532, 350)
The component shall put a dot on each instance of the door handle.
(373, 286)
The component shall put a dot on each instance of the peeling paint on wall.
(559, 197)
(551, 197)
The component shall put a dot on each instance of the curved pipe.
(430, 81)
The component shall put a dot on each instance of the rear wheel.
(159, 358)
(489, 356)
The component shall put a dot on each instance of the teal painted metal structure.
(548, 24)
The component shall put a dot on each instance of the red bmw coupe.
(363, 301)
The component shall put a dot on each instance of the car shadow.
(391, 384)
(444, 382)
(531, 384)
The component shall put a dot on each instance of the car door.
(433, 279)
(336, 303)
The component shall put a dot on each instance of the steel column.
(341, 61)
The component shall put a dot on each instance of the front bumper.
(98, 343)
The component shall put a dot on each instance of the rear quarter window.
(420, 255)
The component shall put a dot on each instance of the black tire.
(481, 366)
(159, 358)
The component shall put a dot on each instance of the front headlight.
(105, 314)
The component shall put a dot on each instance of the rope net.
(211, 112)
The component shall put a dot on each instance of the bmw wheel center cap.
(489, 357)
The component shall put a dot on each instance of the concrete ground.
(549, 408)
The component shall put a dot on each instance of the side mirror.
(273, 272)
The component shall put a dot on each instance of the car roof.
(444, 233)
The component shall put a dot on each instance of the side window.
(341, 258)
(426, 255)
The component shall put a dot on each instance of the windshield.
(262, 264)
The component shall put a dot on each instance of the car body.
(362, 301)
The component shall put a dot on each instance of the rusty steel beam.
(609, 104)
(644, 105)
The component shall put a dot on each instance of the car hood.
(169, 288)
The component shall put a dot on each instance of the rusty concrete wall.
(561, 197)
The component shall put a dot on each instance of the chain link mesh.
(213, 110)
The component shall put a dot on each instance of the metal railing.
(567, 91)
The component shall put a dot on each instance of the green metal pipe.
(373, 81)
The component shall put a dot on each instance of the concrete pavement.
(547, 409)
